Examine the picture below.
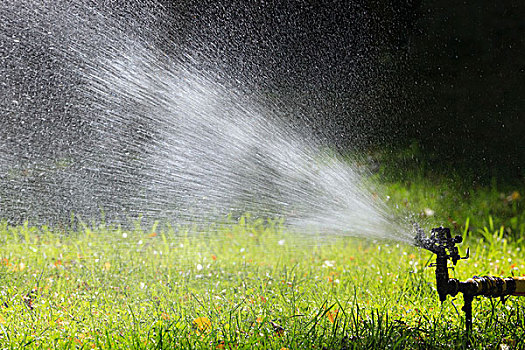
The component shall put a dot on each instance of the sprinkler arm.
(443, 245)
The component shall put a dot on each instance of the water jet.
(133, 131)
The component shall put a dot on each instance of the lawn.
(249, 284)
(255, 284)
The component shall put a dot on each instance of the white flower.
(329, 263)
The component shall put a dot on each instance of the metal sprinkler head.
(443, 245)
(440, 243)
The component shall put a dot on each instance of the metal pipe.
(520, 286)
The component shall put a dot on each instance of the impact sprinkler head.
(440, 242)
(443, 245)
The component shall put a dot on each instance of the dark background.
(446, 76)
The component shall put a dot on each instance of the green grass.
(241, 286)
(447, 196)
(448, 203)
(252, 284)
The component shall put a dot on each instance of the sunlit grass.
(449, 196)
(244, 285)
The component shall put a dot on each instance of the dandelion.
(202, 324)
(281, 242)
(514, 196)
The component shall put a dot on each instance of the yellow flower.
(202, 324)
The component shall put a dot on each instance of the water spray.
(443, 245)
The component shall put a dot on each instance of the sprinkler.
(443, 245)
